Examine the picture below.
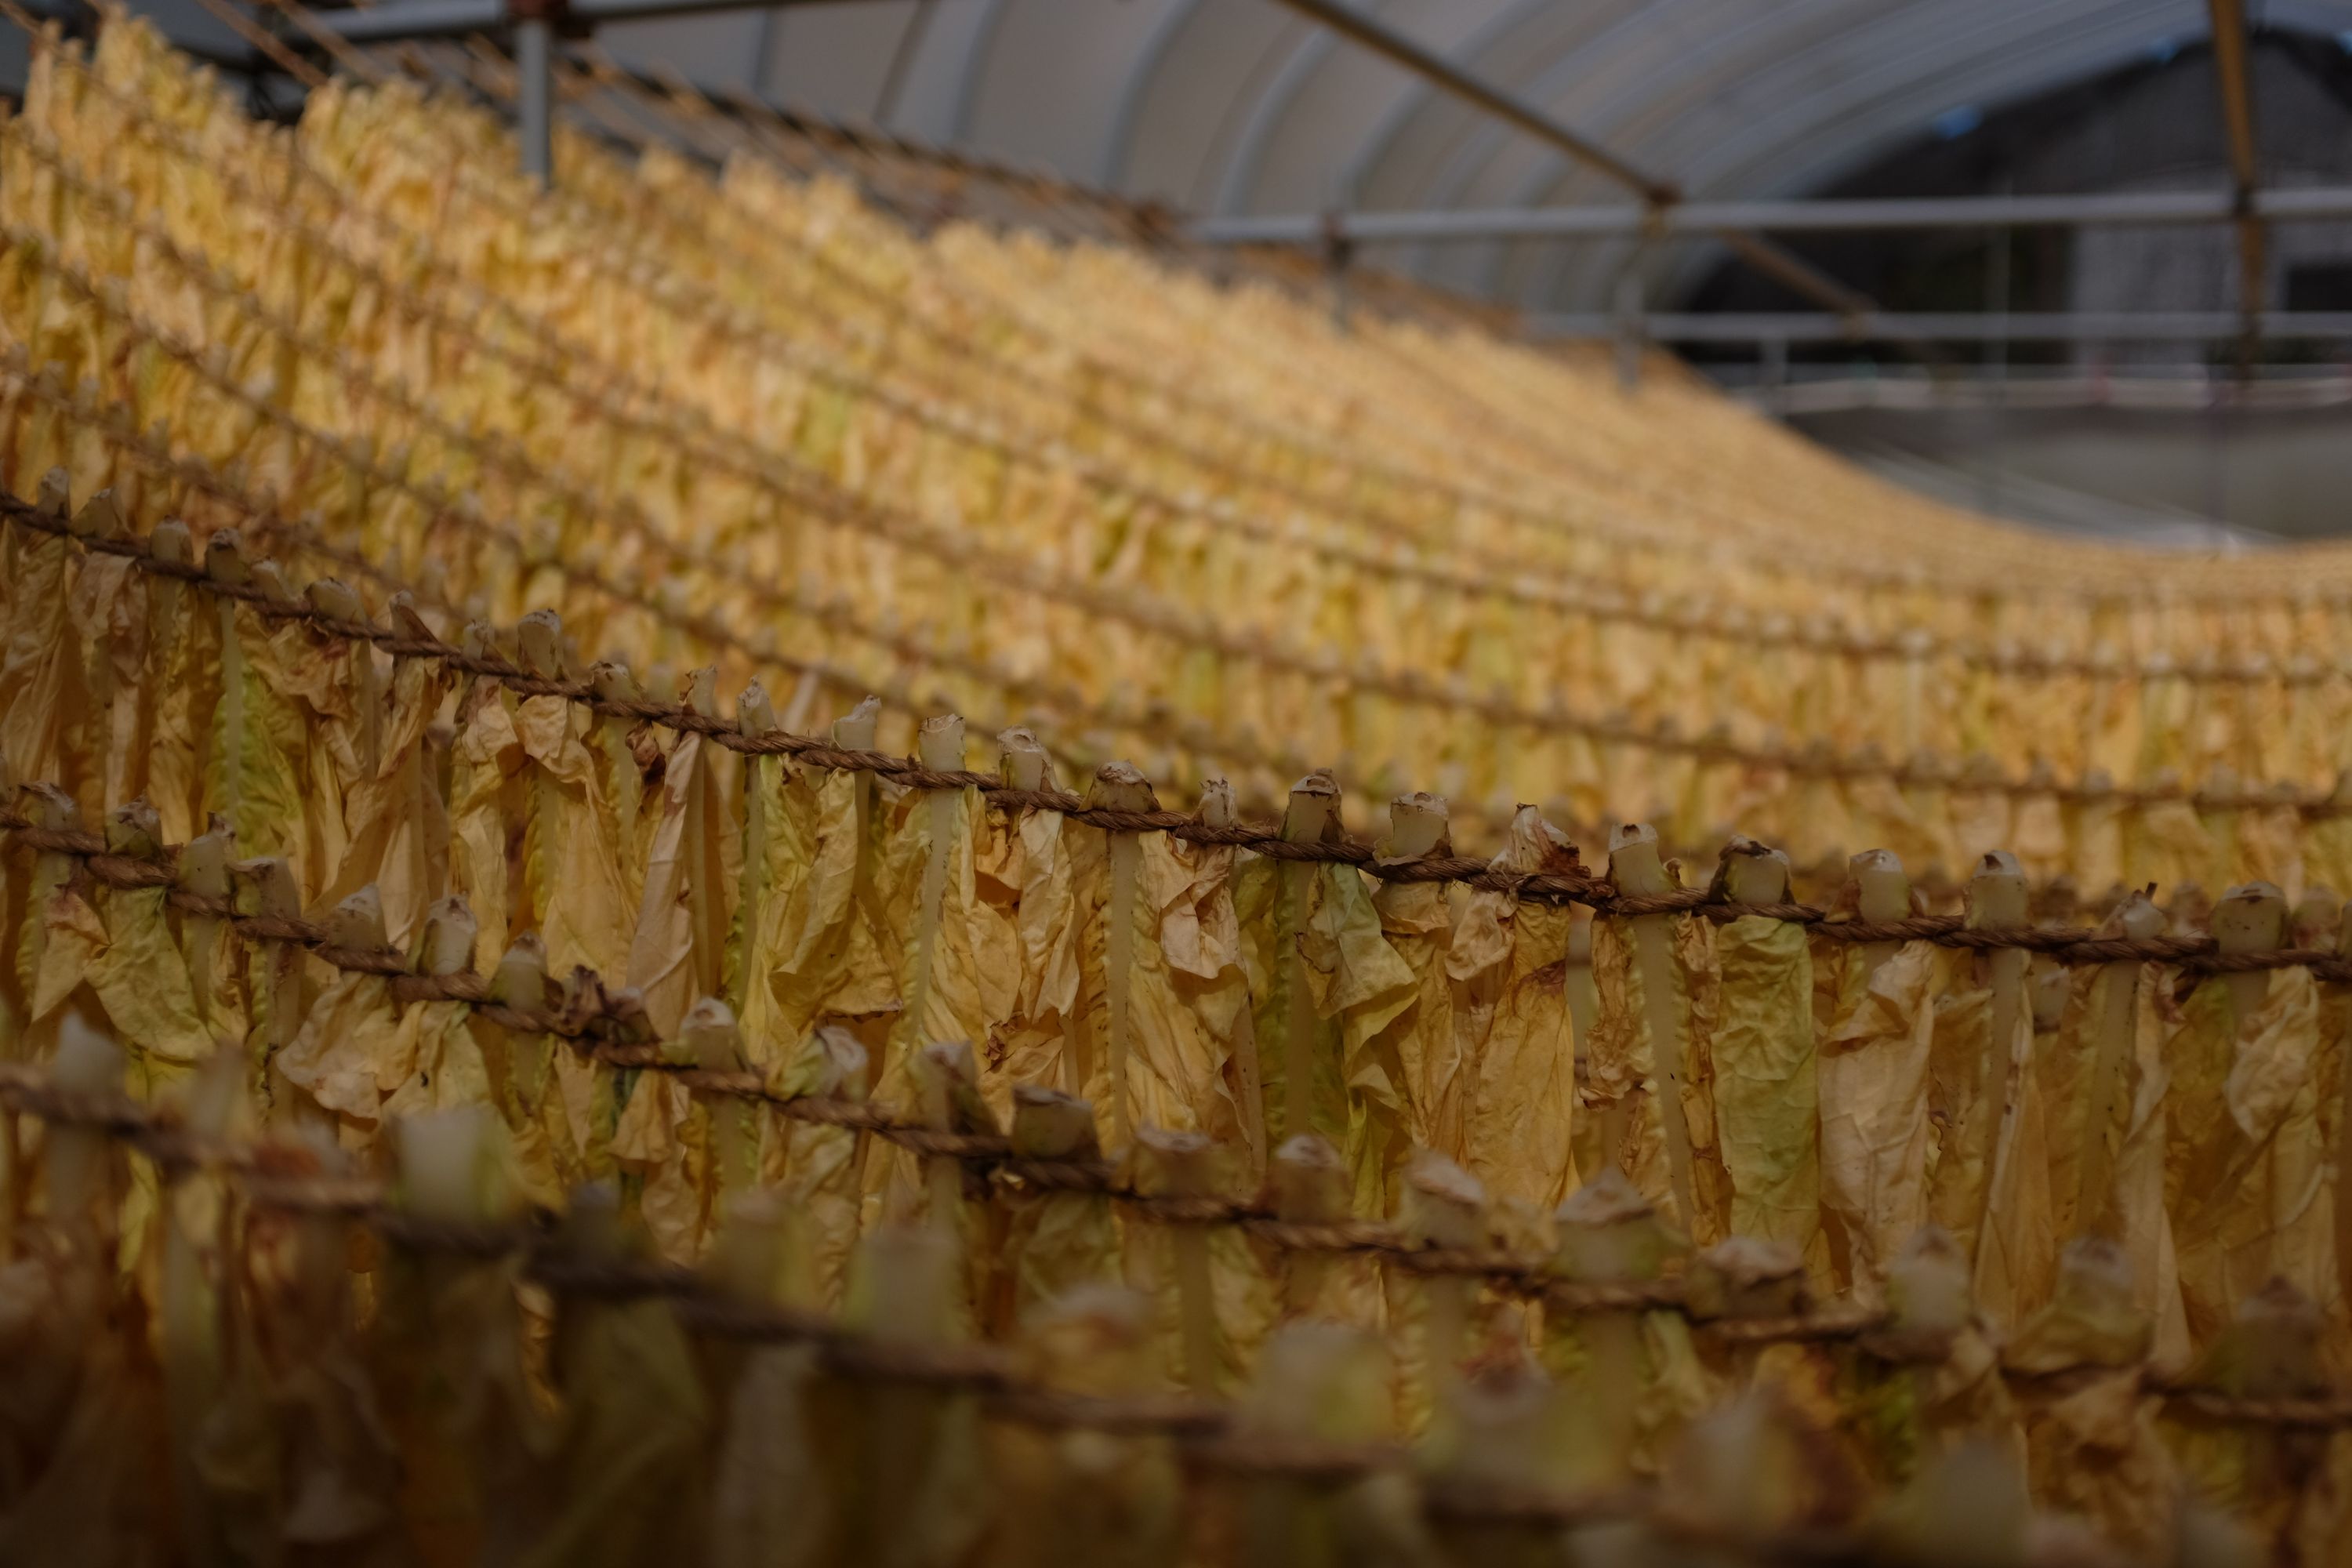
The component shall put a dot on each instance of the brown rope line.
(480, 1240)
(315, 174)
(716, 728)
(1726, 911)
(1505, 1270)
(701, 303)
(607, 1277)
(671, 430)
(2069, 945)
(824, 1112)
(1486, 1503)
(833, 506)
(2320, 1413)
(1693, 625)
(1680, 901)
(287, 1171)
(321, 1197)
(1095, 1176)
(914, 533)
(62, 840)
(982, 1146)
(114, 1114)
(1135, 1415)
(1813, 1327)
(193, 471)
(2325, 965)
(464, 986)
(268, 42)
(361, 961)
(1638, 1296)
(1262, 841)
(952, 340)
(346, 56)
(1335, 1236)
(1294, 1459)
(977, 1368)
(128, 875)
(707, 1311)
(119, 1117)
(1166, 1208)
(900, 649)
(283, 1177)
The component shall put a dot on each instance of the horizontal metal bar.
(1768, 257)
(455, 18)
(1447, 76)
(414, 19)
(1887, 392)
(2118, 209)
(2063, 326)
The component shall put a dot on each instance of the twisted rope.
(754, 468)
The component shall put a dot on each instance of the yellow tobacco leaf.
(484, 759)
(395, 827)
(1179, 1036)
(2244, 1172)
(1417, 918)
(257, 763)
(40, 667)
(71, 938)
(142, 980)
(1515, 1046)
(1873, 1073)
(1621, 1085)
(1313, 926)
(1032, 1043)
(351, 1052)
(779, 843)
(816, 1166)
(1766, 1099)
(632, 1440)
(678, 951)
(577, 884)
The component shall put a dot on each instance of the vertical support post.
(2236, 82)
(534, 44)
(1631, 334)
(1339, 255)
(1996, 355)
(1772, 376)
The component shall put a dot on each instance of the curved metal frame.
(1867, 105)
(1240, 170)
(1819, 152)
(1667, 84)
(1111, 171)
(976, 62)
(1551, 172)
(1872, 106)
(1421, 95)
(1553, 181)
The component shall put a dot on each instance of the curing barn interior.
(972, 783)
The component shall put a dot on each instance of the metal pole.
(457, 18)
(1393, 45)
(2126, 209)
(1996, 359)
(1971, 327)
(1772, 376)
(1338, 253)
(1630, 337)
(2245, 168)
(1768, 257)
(534, 49)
